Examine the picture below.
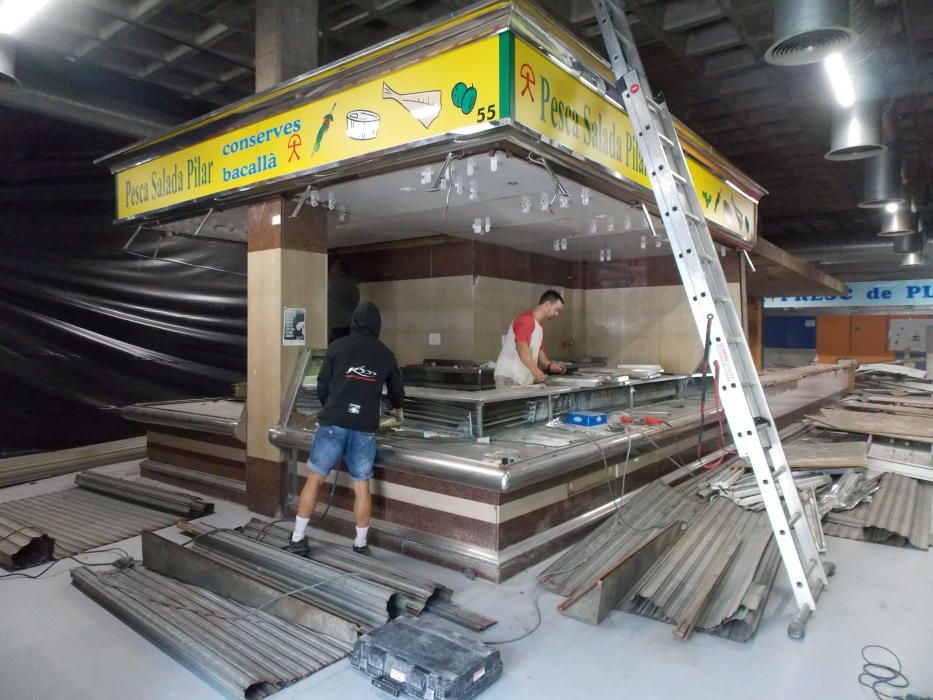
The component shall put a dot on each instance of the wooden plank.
(903, 427)
(893, 409)
(823, 455)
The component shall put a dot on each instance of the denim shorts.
(331, 442)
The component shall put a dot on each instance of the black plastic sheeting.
(86, 329)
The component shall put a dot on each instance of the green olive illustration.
(469, 100)
(456, 95)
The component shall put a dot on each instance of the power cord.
(122, 561)
(537, 602)
(876, 675)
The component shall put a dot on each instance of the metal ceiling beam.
(85, 112)
(108, 9)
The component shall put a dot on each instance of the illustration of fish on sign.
(424, 106)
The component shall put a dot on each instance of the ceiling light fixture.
(14, 14)
(806, 31)
(839, 79)
(856, 132)
(883, 179)
(7, 62)
(890, 207)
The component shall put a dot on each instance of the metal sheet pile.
(78, 519)
(349, 604)
(673, 556)
(244, 653)
(417, 594)
(22, 546)
(21, 470)
(899, 513)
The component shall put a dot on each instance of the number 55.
(484, 114)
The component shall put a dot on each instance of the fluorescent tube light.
(16, 13)
(839, 79)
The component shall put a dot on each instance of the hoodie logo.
(354, 408)
(361, 373)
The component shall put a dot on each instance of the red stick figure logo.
(529, 76)
(294, 143)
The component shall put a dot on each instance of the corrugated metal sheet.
(20, 470)
(177, 502)
(618, 537)
(78, 519)
(716, 578)
(22, 546)
(366, 603)
(245, 653)
(899, 513)
(418, 594)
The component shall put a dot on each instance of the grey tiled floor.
(57, 643)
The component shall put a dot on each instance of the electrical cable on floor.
(124, 555)
(877, 675)
(534, 628)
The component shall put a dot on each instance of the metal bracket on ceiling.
(302, 198)
(132, 238)
(648, 219)
(559, 189)
(445, 172)
(203, 221)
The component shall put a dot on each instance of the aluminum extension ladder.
(750, 422)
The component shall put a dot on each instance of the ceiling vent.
(856, 132)
(883, 180)
(6, 62)
(896, 223)
(911, 243)
(806, 31)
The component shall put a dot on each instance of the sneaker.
(300, 547)
(364, 550)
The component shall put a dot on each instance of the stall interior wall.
(466, 293)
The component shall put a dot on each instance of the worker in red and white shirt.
(522, 357)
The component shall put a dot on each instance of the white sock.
(361, 533)
(301, 526)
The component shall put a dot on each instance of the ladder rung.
(678, 177)
(694, 218)
(666, 140)
(779, 473)
(794, 519)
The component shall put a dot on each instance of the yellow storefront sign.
(563, 109)
(451, 91)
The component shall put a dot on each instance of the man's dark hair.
(551, 296)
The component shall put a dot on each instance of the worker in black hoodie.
(349, 387)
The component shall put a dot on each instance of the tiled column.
(287, 262)
(287, 267)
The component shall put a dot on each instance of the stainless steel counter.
(217, 416)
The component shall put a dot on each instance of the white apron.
(510, 365)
